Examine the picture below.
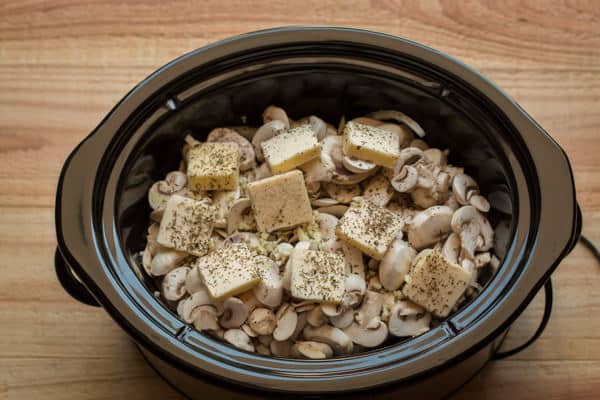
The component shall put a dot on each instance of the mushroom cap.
(311, 350)
(186, 308)
(408, 156)
(205, 318)
(461, 184)
(405, 180)
(429, 226)
(332, 155)
(344, 319)
(235, 313)
(262, 321)
(402, 325)
(173, 284)
(274, 113)
(239, 339)
(165, 260)
(371, 335)
(474, 230)
(334, 337)
(395, 264)
(287, 318)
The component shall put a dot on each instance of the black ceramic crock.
(102, 212)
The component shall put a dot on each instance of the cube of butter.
(318, 276)
(228, 270)
(213, 166)
(373, 144)
(186, 225)
(291, 148)
(436, 284)
(369, 227)
(280, 201)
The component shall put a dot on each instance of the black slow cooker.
(102, 212)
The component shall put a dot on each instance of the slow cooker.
(101, 206)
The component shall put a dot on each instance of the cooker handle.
(71, 283)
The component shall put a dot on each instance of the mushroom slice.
(235, 313)
(419, 144)
(451, 248)
(367, 121)
(342, 193)
(249, 331)
(378, 190)
(399, 117)
(337, 210)
(317, 124)
(311, 350)
(480, 203)
(187, 307)
(332, 155)
(461, 184)
(173, 284)
(405, 180)
(266, 132)
(316, 317)
(274, 113)
(193, 282)
(357, 166)
(344, 319)
(370, 308)
(269, 290)
(305, 305)
(175, 183)
(205, 318)
(286, 277)
(223, 200)
(240, 216)
(262, 321)
(482, 259)
(281, 349)
(429, 226)
(395, 264)
(408, 321)
(239, 339)
(228, 135)
(164, 261)
(324, 202)
(371, 335)
(327, 224)
(474, 230)
(334, 337)
(423, 198)
(287, 319)
(403, 132)
(355, 287)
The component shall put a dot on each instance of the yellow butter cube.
(436, 284)
(370, 143)
(318, 276)
(213, 166)
(280, 201)
(369, 227)
(291, 148)
(186, 225)
(228, 271)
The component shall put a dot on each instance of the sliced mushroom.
(451, 248)
(344, 319)
(286, 277)
(399, 117)
(242, 237)
(299, 325)
(318, 126)
(249, 300)
(334, 337)
(419, 144)
(371, 335)
(342, 193)
(482, 259)
(266, 132)
(337, 210)
(228, 135)
(287, 319)
(274, 113)
(378, 190)
(175, 183)
(262, 321)
(235, 313)
(222, 201)
(164, 261)
(355, 288)
(404, 133)
(188, 307)
(262, 171)
(466, 191)
(193, 282)
(408, 319)
(315, 317)
(396, 264)
(240, 216)
(332, 153)
(323, 202)
(327, 224)
(269, 290)
(305, 305)
(479, 202)
(436, 156)
(205, 318)
(173, 284)
(265, 339)
(311, 350)
(249, 331)
(367, 121)
(370, 308)
(281, 349)
(357, 166)
(239, 339)
(423, 197)
(429, 226)
(318, 170)
(474, 230)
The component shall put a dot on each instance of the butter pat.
(370, 143)
(213, 166)
(369, 227)
(186, 225)
(280, 201)
(436, 284)
(228, 270)
(291, 148)
(318, 276)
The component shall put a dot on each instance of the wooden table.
(64, 64)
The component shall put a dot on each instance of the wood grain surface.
(64, 64)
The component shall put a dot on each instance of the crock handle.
(70, 283)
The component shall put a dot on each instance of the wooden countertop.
(64, 64)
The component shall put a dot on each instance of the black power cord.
(549, 297)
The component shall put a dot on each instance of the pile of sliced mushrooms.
(442, 209)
